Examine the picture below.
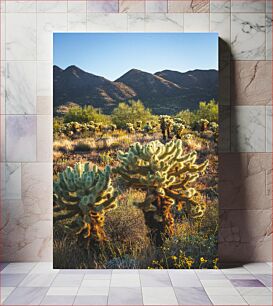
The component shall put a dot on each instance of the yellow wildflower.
(189, 262)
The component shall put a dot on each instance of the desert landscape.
(153, 183)
(135, 161)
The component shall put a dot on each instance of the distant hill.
(164, 92)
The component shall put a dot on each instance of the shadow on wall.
(241, 238)
(231, 170)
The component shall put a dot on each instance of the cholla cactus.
(187, 136)
(214, 126)
(84, 127)
(83, 197)
(147, 127)
(179, 120)
(130, 128)
(165, 174)
(71, 128)
(91, 127)
(75, 128)
(178, 129)
(204, 123)
(166, 123)
(138, 125)
(113, 127)
(98, 126)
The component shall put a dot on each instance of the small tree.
(208, 111)
(132, 112)
(187, 116)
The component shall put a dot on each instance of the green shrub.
(85, 114)
(82, 146)
(207, 110)
(188, 117)
(58, 125)
(132, 112)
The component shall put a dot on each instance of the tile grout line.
(107, 300)
(141, 287)
(74, 300)
(175, 294)
(204, 286)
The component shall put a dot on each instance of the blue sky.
(112, 54)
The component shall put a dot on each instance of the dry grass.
(126, 225)
(64, 145)
(83, 146)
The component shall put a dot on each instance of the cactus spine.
(165, 174)
(84, 196)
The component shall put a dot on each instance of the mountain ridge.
(165, 91)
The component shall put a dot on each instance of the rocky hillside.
(164, 92)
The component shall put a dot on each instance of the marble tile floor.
(40, 284)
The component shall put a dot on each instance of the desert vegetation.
(133, 189)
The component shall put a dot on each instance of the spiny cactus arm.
(191, 177)
(60, 217)
(106, 206)
(174, 195)
(180, 195)
(66, 206)
(67, 197)
(191, 168)
(104, 201)
(179, 170)
(86, 226)
(170, 149)
(197, 208)
(190, 157)
(105, 195)
(198, 167)
(110, 207)
(101, 184)
(182, 184)
(63, 198)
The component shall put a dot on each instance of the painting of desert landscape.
(135, 164)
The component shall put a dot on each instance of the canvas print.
(135, 150)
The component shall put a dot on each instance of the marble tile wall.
(245, 149)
